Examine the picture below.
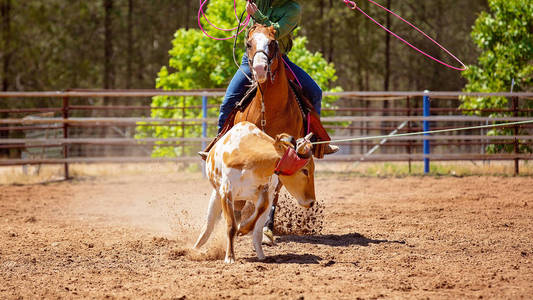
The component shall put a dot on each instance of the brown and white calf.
(241, 166)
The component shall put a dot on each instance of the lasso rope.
(377, 137)
(352, 5)
(349, 3)
(201, 14)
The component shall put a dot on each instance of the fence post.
(204, 129)
(409, 130)
(65, 134)
(516, 141)
(427, 113)
(204, 123)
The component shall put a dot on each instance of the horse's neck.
(282, 113)
(276, 92)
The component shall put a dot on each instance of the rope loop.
(201, 14)
(463, 67)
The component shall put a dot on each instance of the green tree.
(505, 37)
(197, 62)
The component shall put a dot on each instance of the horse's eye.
(248, 45)
(306, 173)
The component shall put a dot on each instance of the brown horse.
(281, 110)
(275, 108)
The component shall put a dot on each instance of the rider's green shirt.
(284, 15)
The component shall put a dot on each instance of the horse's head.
(301, 182)
(263, 51)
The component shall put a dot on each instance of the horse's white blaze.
(260, 60)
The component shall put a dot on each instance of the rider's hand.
(251, 8)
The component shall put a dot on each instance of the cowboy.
(284, 16)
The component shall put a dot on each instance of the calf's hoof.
(243, 230)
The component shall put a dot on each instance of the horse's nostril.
(265, 68)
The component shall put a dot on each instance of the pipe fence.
(100, 126)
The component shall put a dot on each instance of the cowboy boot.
(330, 149)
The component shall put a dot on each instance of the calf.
(242, 166)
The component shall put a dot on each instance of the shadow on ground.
(303, 259)
(335, 240)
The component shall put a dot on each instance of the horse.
(277, 107)
(281, 113)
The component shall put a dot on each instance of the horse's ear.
(252, 29)
(272, 30)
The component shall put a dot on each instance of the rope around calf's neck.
(377, 137)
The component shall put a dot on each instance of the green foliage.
(505, 37)
(197, 62)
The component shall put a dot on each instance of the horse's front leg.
(268, 230)
(258, 228)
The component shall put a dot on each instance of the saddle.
(311, 119)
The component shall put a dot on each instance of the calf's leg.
(261, 205)
(227, 208)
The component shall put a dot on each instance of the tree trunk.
(330, 34)
(321, 18)
(6, 41)
(109, 76)
(5, 8)
(386, 81)
(130, 45)
(188, 14)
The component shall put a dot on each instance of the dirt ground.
(129, 237)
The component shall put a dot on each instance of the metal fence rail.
(357, 114)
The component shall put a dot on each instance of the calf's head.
(301, 183)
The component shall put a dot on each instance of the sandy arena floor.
(129, 236)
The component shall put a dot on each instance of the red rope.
(352, 5)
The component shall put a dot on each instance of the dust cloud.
(151, 205)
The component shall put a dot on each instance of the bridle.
(275, 54)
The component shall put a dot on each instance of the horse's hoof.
(268, 237)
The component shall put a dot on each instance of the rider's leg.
(314, 93)
(235, 92)
(310, 87)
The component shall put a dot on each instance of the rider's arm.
(286, 24)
